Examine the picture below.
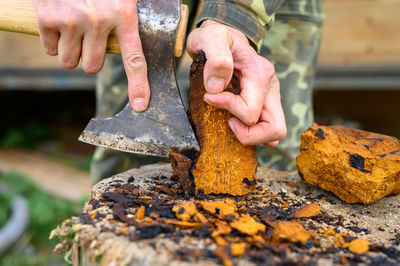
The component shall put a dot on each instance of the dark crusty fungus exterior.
(224, 165)
(356, 165)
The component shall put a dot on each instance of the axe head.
(164, 125)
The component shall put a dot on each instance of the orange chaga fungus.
(238, 249)
(182, 224)
(247, 225)
(199, 217)
(307, 211)
(222, 229)
(146, 197)
(221, 241)
(223, 253)
(224, 165)
(140, 213)
(338, 240)
(222, 208)
(185, 211)
(358, 246)
(356, 165)
(292, 231)
(148, 220)
(329, 232)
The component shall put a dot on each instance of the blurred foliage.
(27, 136)
(31, 135)
(45, 211)
(80, 162)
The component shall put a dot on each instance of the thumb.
(134, 64)
(215, 41)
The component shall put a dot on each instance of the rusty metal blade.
(164, 125)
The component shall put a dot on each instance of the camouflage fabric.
(252, 17)
(291, 44)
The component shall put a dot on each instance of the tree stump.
(141, 217)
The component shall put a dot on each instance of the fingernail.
(215, 85)
(138, 105)
(232, 126)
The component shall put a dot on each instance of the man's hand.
(78, 30)
(258, 115)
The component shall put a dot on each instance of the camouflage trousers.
(292, 46)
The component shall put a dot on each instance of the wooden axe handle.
(20, 16)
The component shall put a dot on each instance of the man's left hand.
(257, 112)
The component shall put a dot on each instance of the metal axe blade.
(164, 125)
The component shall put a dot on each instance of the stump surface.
(111, 230)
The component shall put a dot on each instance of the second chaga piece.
(356, 165)
(224, 165)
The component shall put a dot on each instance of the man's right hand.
(78, 30)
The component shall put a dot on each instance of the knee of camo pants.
(292, 46)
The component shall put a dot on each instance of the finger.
(254, 81)
(94, 51)
(48, 31)
(262, 132)
(215, 42)
(246, 107)
(49, 40)
(69, 48)
(272, 125)
(135, 64)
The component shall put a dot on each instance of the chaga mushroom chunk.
(224, 165)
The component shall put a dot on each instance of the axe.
(164, 125)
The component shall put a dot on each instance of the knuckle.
(222, 62)
(138, 89)
(45, 21)
(252, 121)
(215, 31)
(125, 8)
(70, 22)
(136, 61)
(252, 117)
(97, 21)
(282, 132)
(279, 132)
(218, 29)
(267, 67)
